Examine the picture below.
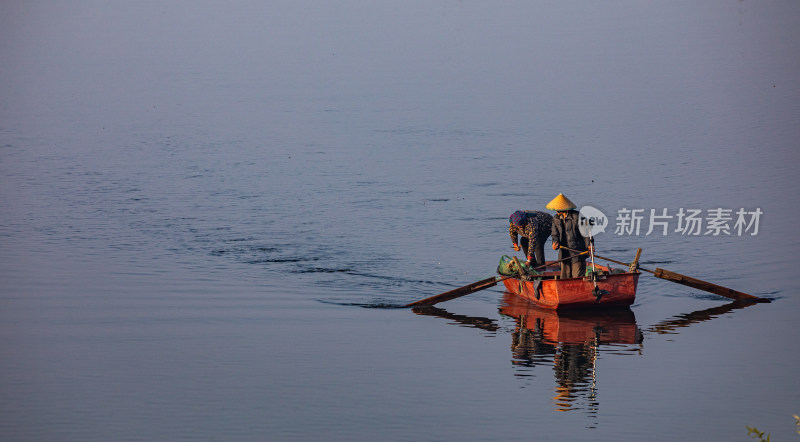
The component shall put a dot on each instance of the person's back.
(533, 228)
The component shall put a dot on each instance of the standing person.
(566, 232)
(533, 228)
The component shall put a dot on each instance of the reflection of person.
(573, 366)
(566, 232)
(533, 228)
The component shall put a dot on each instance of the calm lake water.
(209, 214)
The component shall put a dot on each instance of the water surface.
(197, 202)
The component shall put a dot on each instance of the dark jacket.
(566, 232)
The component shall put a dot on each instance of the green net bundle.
(508, 267)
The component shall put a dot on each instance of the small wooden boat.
(605, 287)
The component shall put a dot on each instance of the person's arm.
(555, 232)
(512, 232)
(530, 233)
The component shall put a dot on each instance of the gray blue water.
(209, 213)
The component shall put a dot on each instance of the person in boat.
(532, 228)
(566, 232)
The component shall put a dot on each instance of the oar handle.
(626, 264)
(520, 270)
(560, 260)
(635, 264)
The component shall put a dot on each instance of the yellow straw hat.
(561, 203)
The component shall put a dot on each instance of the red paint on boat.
(577, 292)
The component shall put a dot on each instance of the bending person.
(532, 228)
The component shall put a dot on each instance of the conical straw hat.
(560, 203)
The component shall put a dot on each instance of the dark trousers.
(572, 268)
(538, 250)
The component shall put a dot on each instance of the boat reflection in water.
(570, 341)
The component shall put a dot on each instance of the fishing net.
(508, 267)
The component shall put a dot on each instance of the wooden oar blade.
(706, 286)
(456, 293)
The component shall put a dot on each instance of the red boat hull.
(554, 294)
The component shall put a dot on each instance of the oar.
(459, 292)
(470, 288)
(687, 280)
